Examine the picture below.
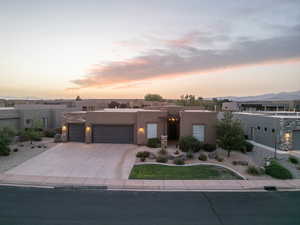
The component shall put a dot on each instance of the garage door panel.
(296, 140)
(122, 134)
(76, 132)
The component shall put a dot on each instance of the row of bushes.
(190, 143)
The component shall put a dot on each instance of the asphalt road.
(22, 206)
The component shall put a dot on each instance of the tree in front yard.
(6, 135)
(230, 135)
(32, 135)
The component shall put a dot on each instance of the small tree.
(6, 135)
(32, 135)
(153, 97)
(230, 135)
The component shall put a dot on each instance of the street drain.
(270, 188)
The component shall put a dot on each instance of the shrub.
(179, 161)
(249, 147)
(219, 159)
(293, 160)
(188, 143)
(255, 171)
(209, 147)
(49, 133)
(153, 143)
(5, 140)
(202, 157)
(143, 154)
(189, 155)
(16, 150)
(143, 159)
(161, 159)
(278, 171)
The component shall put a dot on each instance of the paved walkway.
(111, 161)
(116, 184)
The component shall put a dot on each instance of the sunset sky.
(125, 49)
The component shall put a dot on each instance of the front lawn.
(199, 172)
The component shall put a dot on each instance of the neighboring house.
(138, 125)
(293, 105)
(29, 115)
(273, 129)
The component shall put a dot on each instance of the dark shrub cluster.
(209, 147)
(202, 157)
(190, 143)
(190, 155)
(293, 160)
(179, 161)
(49, 133)
(143, 154)
(162, 159)
(153, 143)
(278, 171)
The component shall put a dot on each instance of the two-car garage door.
(122, 134)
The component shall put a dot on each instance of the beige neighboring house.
(136, 126)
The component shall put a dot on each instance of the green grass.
(199, 172)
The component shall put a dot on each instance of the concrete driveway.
(113, 161)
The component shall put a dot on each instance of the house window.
(198, 132)
(28, 121)
(151, 130)
(266, 129)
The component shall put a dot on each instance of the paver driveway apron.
(113, 161)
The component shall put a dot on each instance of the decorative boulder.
(212, 155)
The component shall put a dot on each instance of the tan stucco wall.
(143, 118)
(208, 119)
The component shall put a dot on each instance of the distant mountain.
(282, 96)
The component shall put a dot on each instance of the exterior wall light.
(88, 129)
(141, 130)
(287, 136)
(64, 128)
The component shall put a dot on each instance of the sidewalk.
(167, 185)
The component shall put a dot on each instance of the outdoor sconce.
(64, 128)
(287, 136)
(141, 130)
(87, 129)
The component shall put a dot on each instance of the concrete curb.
(145, 185)
(193, 164)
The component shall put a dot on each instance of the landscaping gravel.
(24, 153)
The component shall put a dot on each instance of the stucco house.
(136, 126)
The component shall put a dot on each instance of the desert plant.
(188, 143)
(249, 147)
(143, 159)
(153, 143)
(202, 157)
(276, 170)
(254, 171)
(219, 159)
(189, 155)
(33, 135)
(293, 160)
(6, 136)
(209, 147)
(143, 154)
(161, 159)
(178, 161)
